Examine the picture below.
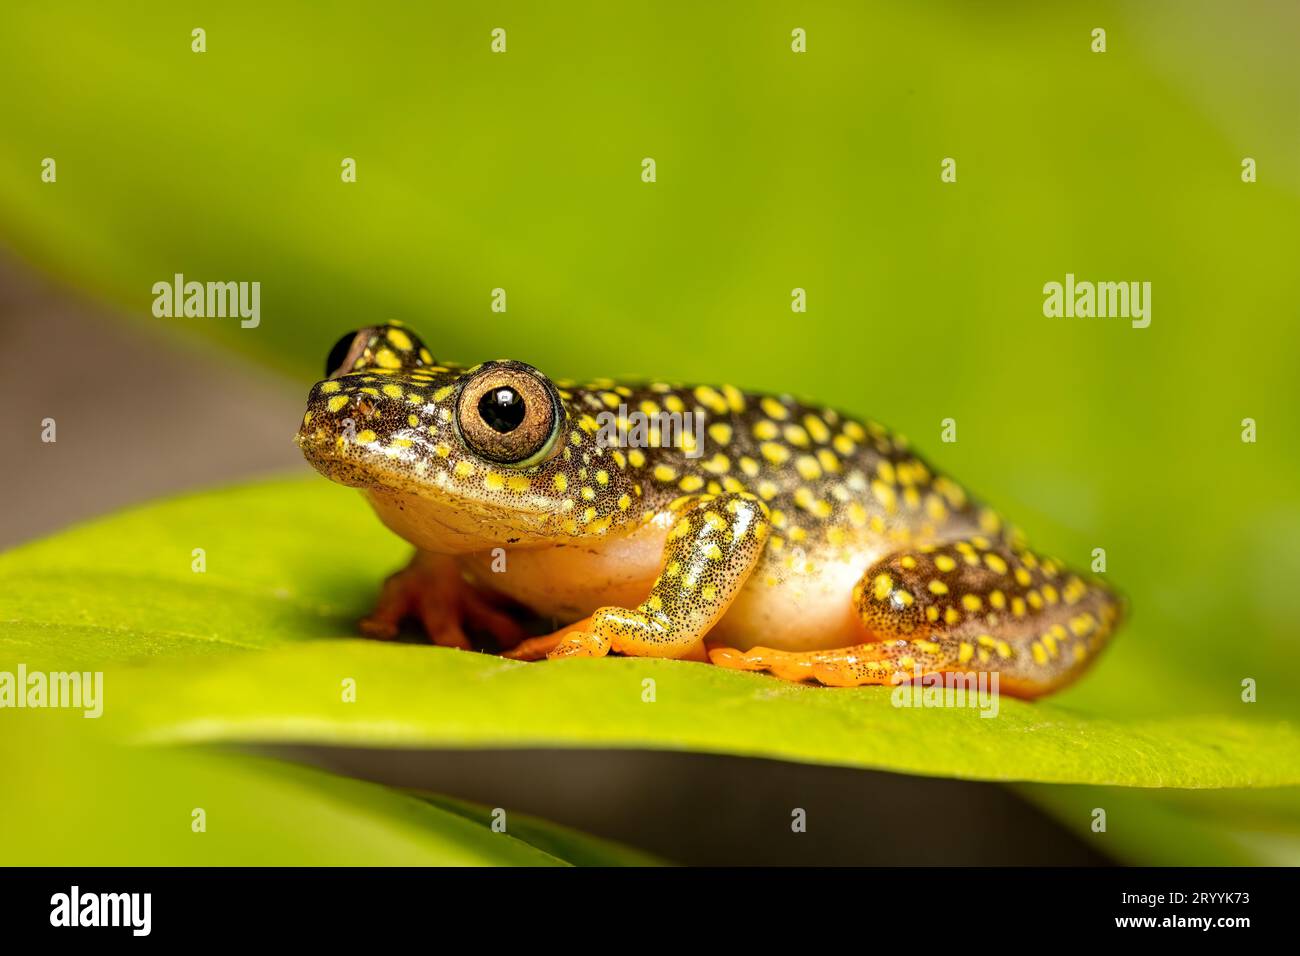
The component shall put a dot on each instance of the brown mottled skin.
(792, 539)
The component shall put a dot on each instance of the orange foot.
(576, 640)
(431, 588)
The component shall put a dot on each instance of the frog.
(764, 534)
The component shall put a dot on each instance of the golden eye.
(509, 413)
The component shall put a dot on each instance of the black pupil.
(339, 354)
(502, 408)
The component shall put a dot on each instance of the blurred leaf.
(75, 601)
(1182, 827)
(562, 842)
(135, 805)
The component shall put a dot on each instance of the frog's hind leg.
(970, 606)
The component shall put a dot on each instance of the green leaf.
(257, 649)
(137, 806)
(1182, 827)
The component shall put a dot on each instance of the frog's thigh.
(964, 607)
(710, 552)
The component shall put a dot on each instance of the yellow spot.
(857, 515)
(399, 339)
(965, 652)
(882, 585)
(796, 435)
(1003, 649)
(817, 429)
(720, 432)
(907, 561)
(749, 466)
(519, 483)
(393, 391)
(776, 453)
(774, 409)
(1040, 655)
(426, 356)
(767, 490)
(624, 503)
(808, 468)
(602, 477)
(636, 457)
(765, 430)
(971, 602)
(854, 431)
(1023, 578)
(690, 483)
(843, 445)
(337, 402)
(713, 552)
(951, 616)
(885, 495)
(464, 468)
(588, 494)
(385, 358)
(709, 592)
(665, 473)
(998, 600)
(944, 563)
(937, 587)
(330, 387)
(494, 481)
(719, 464)
(442, 394)
(735, 398)
(995, 563)
(561, 483)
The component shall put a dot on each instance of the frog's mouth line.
(368, 474)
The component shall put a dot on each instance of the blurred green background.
(775, 170)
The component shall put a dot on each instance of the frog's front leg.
(710, 552)
(433, 589)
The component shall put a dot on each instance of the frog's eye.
(509, 413)
(341, 356)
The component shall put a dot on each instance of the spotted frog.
(772, 535)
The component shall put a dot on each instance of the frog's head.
(458, 460)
